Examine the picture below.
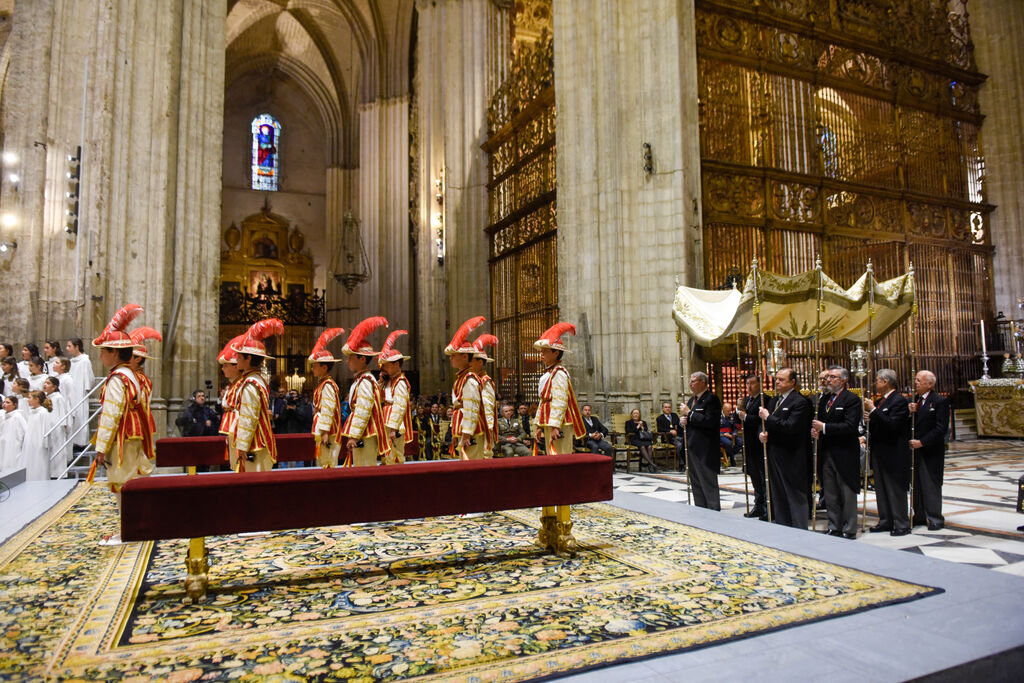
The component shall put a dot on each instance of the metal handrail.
(73, 408)
(71, 438)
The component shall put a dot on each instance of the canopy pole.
(870, 380)
(913, 378)
(746, 483)
(817, 398)
(760, 354)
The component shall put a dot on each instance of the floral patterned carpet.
(449, 598)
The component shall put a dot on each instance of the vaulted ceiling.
(340, 52)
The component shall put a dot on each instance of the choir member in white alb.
(12, 436)
(34, 449)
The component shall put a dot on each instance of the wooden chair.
(662, 446)
(617, 435)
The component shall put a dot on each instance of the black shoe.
(878, 528)
(764, 518)
(936, 526)
(754, 513)
(834, 532)
(919, 522)
(851, 536)
(899, 532)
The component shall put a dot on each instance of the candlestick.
(984, 353)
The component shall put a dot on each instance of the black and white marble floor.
(979, 501)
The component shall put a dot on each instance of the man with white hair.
(931, 424)
(702, 416)
(889, 438)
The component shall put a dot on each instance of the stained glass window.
(266, 160)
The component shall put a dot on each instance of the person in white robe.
(34, 449)
(8, 373)
(27, 352)
(12, 435)
(21, 391)
(58, 451)
(81, 370)
(70, 391)
(36, 374)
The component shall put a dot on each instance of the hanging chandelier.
(351, 266)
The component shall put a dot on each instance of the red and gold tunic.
(253, 430)
(120, 417)
(146, 415)
(367, 416)
(327, 418)
(230, 406)
(397, 412)
(489, 397)
(468, 418)
(558, 404)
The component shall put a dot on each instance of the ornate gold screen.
(521, 191)
(851, 130)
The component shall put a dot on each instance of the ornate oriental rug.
(454, 599)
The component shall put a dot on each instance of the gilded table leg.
(564, 543)
(546, 533)
(197, 563)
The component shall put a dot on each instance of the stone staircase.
(965, 424)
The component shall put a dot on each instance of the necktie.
(831, 401)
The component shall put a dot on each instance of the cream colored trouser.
(561, 446)
(477, 451)
(367, 455)
(260, 463)
(132, 463)
(396, 456)
(329, 453)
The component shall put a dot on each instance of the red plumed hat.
(552, 337)
(388, 352)
(228, 354)
(483, 341)
(113, 335)
(252, 344)
(357, 344)
(460, 342)
(144, 334)
(320, 354)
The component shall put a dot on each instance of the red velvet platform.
(184, 451)
(184, 506)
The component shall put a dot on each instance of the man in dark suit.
(931, 425)
(787, 433)
(670, 430)
(753, 449)
(594, 440)
(524, 417)
(701, 417)
(836, 429)
(889, 441)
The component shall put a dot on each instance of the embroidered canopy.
(787, 308)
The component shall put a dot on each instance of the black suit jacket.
(789, 434)
(594, 426)
(889, 437)
(633, 430)
(840, 441)
(931, 426)
(752, 423)
(702, 429)
(525, 421)
(668, 422)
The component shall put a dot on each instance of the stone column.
(153, 80)
(996, 27)
(625, 76)
(461, 55)
(384, 210)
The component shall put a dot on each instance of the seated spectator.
(511, 437)
(639, 435)
(198, 419)
(728, 432)
(670, 430)
(524, 417)
(594, 440)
